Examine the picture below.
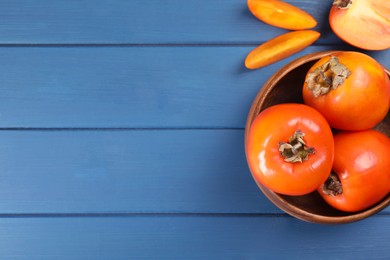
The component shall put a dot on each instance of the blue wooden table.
(122, 135)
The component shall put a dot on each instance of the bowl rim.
(277, 199)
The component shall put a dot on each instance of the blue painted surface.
(141, 87)
(191, 237)
(121, 135)
(142, 22)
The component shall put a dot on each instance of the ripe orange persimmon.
(360, 176)
(350, 89)
(290, 149)
(281, 14)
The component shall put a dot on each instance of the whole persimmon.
(350, 89)
(289, 149)
(360, 177)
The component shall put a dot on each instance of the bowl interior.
(285, 86)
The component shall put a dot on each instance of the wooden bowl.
(310, 207)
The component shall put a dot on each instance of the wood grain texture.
(142, 106)
(140, 22)
(189, 171)
(199, 237)
(154, 171)
(191, 87)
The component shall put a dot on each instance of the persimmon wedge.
(362, 23)
(280, 47)
(281, 14)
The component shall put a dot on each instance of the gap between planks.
(59, 129)
(137, 214)
(211, 44)
(154, 214)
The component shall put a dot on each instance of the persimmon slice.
(281, 14)
(280, 47)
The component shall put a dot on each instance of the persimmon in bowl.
(285, 87)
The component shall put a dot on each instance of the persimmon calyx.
(342, 4)
(327, 77)
(295, 150)
(332, 185)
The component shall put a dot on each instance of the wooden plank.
(140, 22)
(131, 86)
(174, 171)
(126, 171)
(191, 237)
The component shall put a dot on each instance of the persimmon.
(281, 14)
(362, 23)
(280, 47)
(290, 149)
(350, 89)
(360, 177)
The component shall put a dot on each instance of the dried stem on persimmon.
(332, 185)
(327, 77)
(342, 4)
(295, 150)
